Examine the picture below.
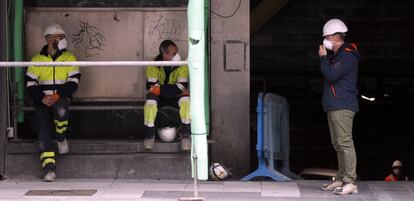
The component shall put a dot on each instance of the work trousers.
(340, 127)
(154, 102)
(53, 125)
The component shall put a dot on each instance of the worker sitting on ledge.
(167, 85)
(51, 88)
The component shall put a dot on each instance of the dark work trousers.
(173, 102)
(53, 125)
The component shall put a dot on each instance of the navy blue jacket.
(341, 75)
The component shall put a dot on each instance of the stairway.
(102, 159)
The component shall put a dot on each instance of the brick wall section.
(284, 51)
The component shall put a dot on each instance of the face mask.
(328, 44)
(177, 57)
(62, 44)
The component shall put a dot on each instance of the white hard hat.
(218, 172)
(334, 26)
(397, 163)
(167, 134)
(53, 29)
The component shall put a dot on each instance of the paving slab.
(165, 190)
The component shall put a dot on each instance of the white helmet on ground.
(167, 134)
(334, 26)
(218, 172)
(397, 163)
(53, 29)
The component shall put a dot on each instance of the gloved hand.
(155, 90)
(50, 100)
(185, 93)
(55, 97)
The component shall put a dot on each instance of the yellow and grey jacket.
(172, 80)
(46, 80)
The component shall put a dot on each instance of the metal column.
(3, 96)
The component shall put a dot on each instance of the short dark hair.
(165, 44)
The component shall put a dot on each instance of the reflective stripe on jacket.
(172, 83)
(157, 75)
(46, 80)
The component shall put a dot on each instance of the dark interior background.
(284, 61)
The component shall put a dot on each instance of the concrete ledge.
(98, 147)
(104, 166)
(102, 159)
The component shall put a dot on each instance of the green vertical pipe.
(207, 74)
(10, 23)
(196, 62)
(18, 56)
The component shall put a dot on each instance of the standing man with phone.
(339, 66)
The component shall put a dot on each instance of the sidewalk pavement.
(166, 190)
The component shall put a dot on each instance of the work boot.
(63, 147)
(49, 176)
(149, 143)
(331, 186)
(185, 143)
(346, 188)
(149, 138)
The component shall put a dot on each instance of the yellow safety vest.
(49, 78)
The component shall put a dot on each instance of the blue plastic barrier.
(272, 138)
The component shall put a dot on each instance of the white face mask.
(177, 57)
(328, 44)
(396, 171)
(62, 44)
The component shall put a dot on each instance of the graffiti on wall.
(88, 40)
(163, 28)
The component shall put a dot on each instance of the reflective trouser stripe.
(61, 126)
(150, 112)
(47, 155)
(61, 130)
(47, 161)
(61, 123)
(184, 104)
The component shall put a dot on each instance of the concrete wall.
(106, 3)
(230, 74)
(230, 85)
(117, 34)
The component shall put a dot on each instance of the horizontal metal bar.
(93, 63)
(97, 107)
(108, 99)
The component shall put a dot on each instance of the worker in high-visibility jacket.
(167, 86)
(51, 88)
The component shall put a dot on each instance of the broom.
(195, 198)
